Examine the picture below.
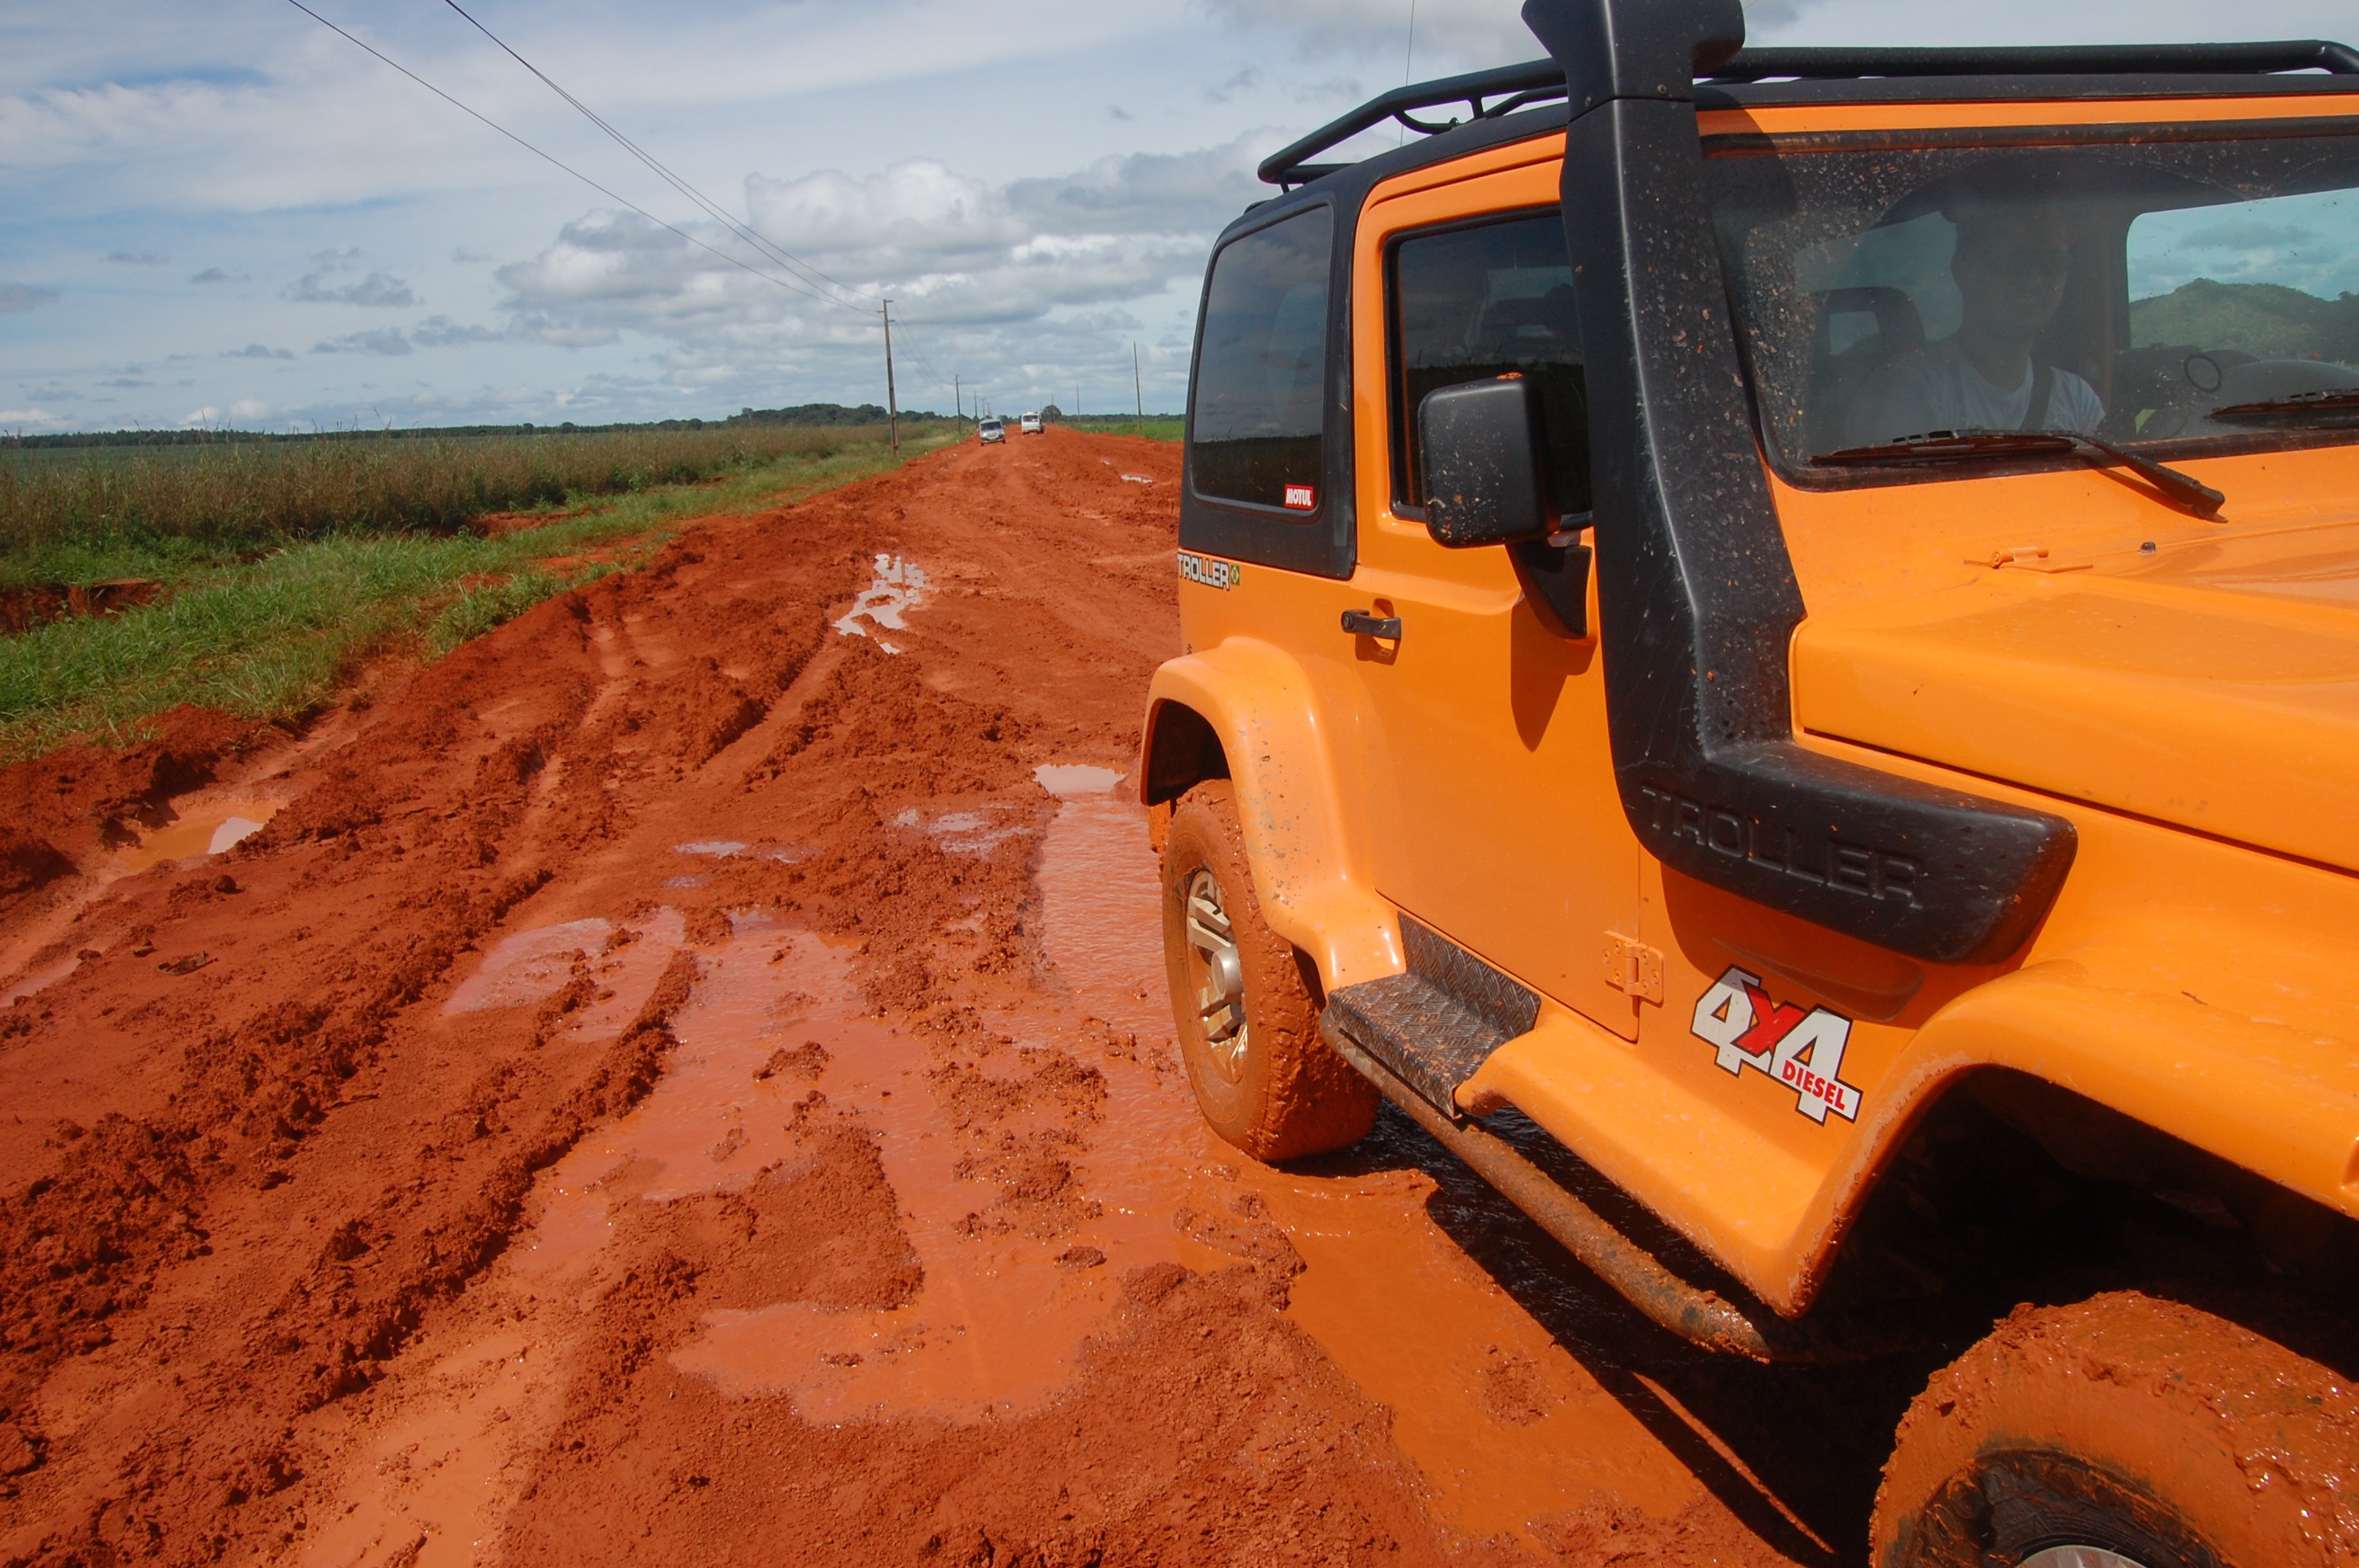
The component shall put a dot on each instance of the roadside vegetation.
(1156, 427)
(283, 565)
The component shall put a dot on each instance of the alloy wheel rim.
(1216, 970)
(2078, 1557)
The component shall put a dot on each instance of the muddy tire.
(2122, 1432)
(1242, 1000)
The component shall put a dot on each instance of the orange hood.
(2214, 684)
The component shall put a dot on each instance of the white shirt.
(1937, 388)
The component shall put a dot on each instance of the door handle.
(1360, 623)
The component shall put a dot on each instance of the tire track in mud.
(676, 1078)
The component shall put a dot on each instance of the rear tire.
(1242, 999)
(2122, 1432)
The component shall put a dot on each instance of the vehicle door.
(1496, 821)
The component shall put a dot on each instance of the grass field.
(285, 568)
(1158, 428)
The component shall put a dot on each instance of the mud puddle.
(202, 823)
(901, 587)
(1505, 1425)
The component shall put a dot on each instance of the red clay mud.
(686, 1077)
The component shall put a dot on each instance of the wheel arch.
(1180, 750)
(1248, 709)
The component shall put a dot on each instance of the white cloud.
(441, 332)
(21, 417)
(248, 410)
(383, 340)
(378, 290)
(140, 259)
(257, 351)
(1030, 271)
(205, 416)
(18, 298)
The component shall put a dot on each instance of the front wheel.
(2124, 1432)
(1241, 999)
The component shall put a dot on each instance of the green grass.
(270, 635)
(252, 494)
(1157, 426)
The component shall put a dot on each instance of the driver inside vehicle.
(2011, 265)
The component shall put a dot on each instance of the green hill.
(2267, 320)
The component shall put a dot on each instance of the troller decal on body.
(1804, 1051)
(1210, 571)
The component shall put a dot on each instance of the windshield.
(2182, 295)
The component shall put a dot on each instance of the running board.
(1697, 1314)
(1419, 1035)
(1434, 1026)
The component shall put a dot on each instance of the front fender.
(1313, 888)
(2280, 1099)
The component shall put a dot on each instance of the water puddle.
(528, 966)
(1067, 780)
(965, 832)
(719, 848)
(203, 824)
(901, 586)
(999, 1323)
(200, 825)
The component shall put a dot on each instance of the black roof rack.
(1489, 94)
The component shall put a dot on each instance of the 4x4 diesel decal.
(1210, 571)
(1801, 1050)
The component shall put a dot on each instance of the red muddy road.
(686, 1078)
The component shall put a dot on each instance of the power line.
(796, 286)
(793, 284)
(804, 270)
(809, 273)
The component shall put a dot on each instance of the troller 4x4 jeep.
(1920, 864)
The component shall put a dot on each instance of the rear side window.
(1469, 304)
(1259, 419)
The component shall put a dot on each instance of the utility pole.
(957, 396)
(1139, 387)
(892, 402)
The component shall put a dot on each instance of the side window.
(1469, 304)
(1260, 394)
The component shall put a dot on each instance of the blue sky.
(227, 214)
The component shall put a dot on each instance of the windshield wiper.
(2184, 490)
(2330, 403)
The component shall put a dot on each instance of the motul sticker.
(1301, 498)
(1804, 1051)
(1209, 571)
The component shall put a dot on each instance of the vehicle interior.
(2205, 293)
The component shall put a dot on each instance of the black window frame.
(1399, 431)
(1321, 541)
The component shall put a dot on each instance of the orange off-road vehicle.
(1780, 627)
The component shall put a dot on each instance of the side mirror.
(1483, 483)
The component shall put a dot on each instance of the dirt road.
(687, 1078)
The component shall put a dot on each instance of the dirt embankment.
(685, 1077)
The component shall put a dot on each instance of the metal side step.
(1417, 1037)
(1434, 1026)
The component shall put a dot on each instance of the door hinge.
(1633, 968)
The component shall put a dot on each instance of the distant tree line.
(806, 415)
